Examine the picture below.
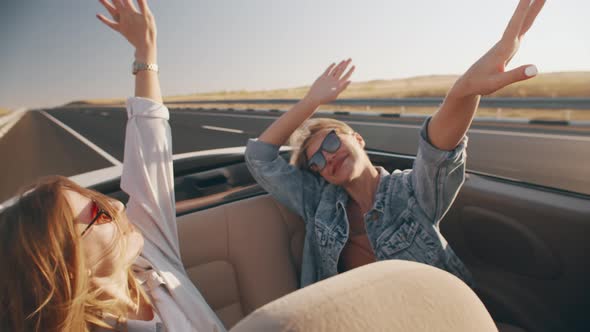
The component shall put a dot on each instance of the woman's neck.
(115, 287)
(363, 189)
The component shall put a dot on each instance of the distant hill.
(562, 84)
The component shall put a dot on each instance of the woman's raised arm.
(487, 75)
(325, 89)
(139, 28)
(148, 176)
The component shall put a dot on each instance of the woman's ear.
(359, 139)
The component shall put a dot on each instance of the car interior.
(525, 245)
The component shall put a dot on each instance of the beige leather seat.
(242, 255)
(246, 254)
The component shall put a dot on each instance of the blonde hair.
(301, 138)
(45, 282)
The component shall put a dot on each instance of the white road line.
(9, 121)
(477, 131)
(232, 115)
(229, 130)
(93, 146)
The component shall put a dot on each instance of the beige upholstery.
(246, 254)
(242, 255)
(384, 296)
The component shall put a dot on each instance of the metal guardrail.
(419, 117)
(574, 103)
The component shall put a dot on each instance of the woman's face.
(105, 244)
(346, 163)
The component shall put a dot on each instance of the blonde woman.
(76, 260)
(356, 213)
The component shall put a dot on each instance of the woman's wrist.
(308, 105)
(461, 89)
(459, 95)
(310, 102)
(147, 54)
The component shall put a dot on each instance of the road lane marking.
(477, 131)
(84, 140)
(229, 130)
(10, 120)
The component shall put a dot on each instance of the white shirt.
(148, 179)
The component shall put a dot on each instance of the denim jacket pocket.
(410, 241)
(326, 238)
(327, 244)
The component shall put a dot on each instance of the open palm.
(331, 83)
(489, 73)
(137, 26)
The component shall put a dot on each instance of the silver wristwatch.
(139, 66)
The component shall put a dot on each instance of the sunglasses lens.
(317, 162)
(103, 216)
(331, 143)
(94, 210)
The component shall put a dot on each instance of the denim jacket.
(402, 224)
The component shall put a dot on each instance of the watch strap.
(139, 66)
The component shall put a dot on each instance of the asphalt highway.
(38, 145)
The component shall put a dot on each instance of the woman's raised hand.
(137, 26)
(489, 73)
(330, 84)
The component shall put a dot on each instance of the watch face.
(136, 67)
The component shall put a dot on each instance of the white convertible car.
(527, 247)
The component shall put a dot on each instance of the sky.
(56, 51)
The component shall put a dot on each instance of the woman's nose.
(328, 155)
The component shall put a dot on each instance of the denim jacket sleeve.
(437, 175)
(297, 189)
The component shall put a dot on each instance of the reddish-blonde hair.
(44, 279)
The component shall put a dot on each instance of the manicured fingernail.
(531, 71)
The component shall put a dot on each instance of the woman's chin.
(135, 243)
(342, 175)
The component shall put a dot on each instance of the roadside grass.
(561, 84)
(565, 84)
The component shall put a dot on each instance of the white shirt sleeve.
(148, 176)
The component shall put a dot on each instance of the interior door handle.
(209, 179)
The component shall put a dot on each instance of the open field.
(4, 111)
(571, 84)
(563, 84)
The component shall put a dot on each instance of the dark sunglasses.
(98, 215)
(331, 144)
